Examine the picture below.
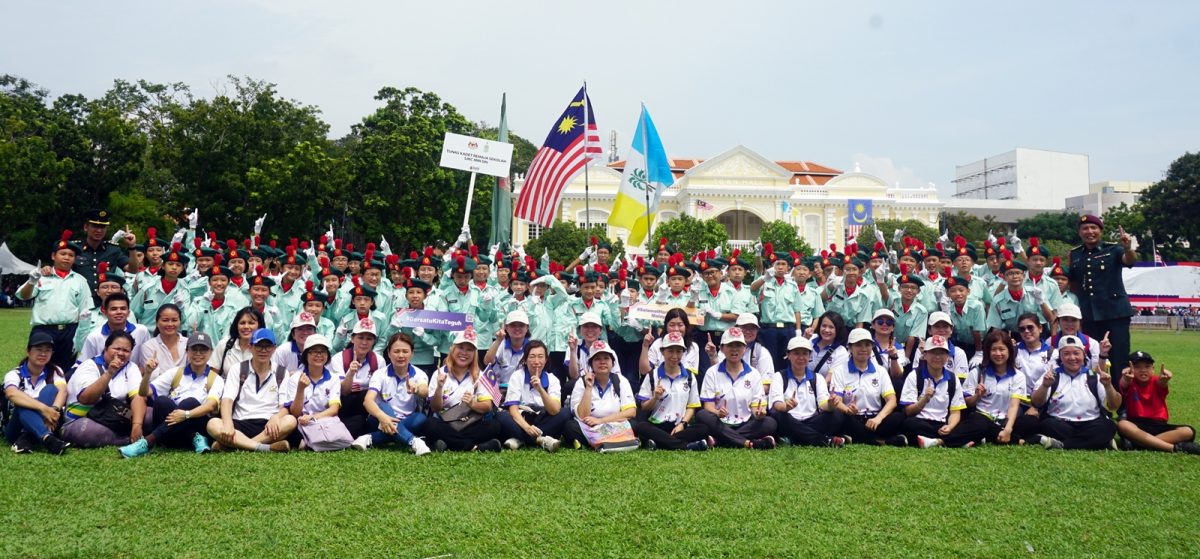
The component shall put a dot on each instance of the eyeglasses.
(264, 347)
(885, 322)
(1028, 328)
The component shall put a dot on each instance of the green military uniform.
(1097, 282)
(970, 318)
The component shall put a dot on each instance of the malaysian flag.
(703, 206)
(491, 383)
(566, 150)
(852, 232)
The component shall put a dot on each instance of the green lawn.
(854, 502)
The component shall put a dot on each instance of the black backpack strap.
(823, 360)
(951, 387)
(242, 375)
(1093, 382)
(1053, 387)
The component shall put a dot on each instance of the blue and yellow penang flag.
(647, 174)
(859, 212)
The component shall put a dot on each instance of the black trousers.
(660, 433)
(551, 425)
(628, 354)
(353, 414)
(180, 434)
(1118, 335)
(700, 338)
(735, 435)
(976, 427)
(856, 427)
(775, 340)
(64, 344)
(555, 366)
(967, 430)
(1096, 434)
(817, 430)
(481, 431)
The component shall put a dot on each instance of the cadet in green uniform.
(963, 255)
(968, 318)
(911, 316)
(96, 249)
(59, 299)
(779, 304)
(213, 313)
(1096, 280)
(1059, 272)
(165, 288)
(848, 297)
(362, 297)
(736, 274)
(153, 250)
(314, 302)
(1037, 257)
(1017, 298)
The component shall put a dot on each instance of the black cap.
(1140, 356)
(39, 338)
(97, 217)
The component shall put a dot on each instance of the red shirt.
(1146, 401)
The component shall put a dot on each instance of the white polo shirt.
(1033, 363)
(810, 393)
(1071, 401)
(680, 393)
(191, 385)
(321, 394)
(453, 392)
(837, 360)
(33, 387)
(866, 389)
(691, 355)
(522, 393)
(365, 372)
(93, 345)
(757, 356)
(941, 403)
(736, 395)
(957, 363)
(585, 363)
(393, 389)
(122, 387)
(605, 400)
(258, 400)
(508, 359)
(286, 355)
(1000, 392)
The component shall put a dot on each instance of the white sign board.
(476, 155)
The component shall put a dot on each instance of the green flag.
(502, 213)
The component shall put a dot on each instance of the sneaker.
(785, 440)
(1112, 444)
(419, 447)
(1126, 444)
(837, 442)
(490, 445)
(651, 445)
(280, 446)
(24, 444)
(550, 444)
(512, 443)
(700, 445)
(928, 442)
(135, 449)
(765, 443)
(896, 440)
(361, 443)
(848, 439)
(1051, 443)
(1188, 447)
(440, 445)
(55, 445)
(712, 441)
(200, 443)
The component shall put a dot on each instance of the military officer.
(1095, 276)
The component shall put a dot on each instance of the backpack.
(280, 372)
(1093, 384)
(951, 386)
(208, 382)
(348, 355)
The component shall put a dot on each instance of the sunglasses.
(885, 322)
(1027, 328)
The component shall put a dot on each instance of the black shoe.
(651, 445)
(1188, 447)
(700, 445)
(24, 444)
(440, 446)
(490, 445)
(1125, 444)
(765, 443)
(55, 445)
(896, 440)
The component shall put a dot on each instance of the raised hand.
(1124, 238)
(258, 225)
(36, 273)
(1105, 345)
(1163, 372)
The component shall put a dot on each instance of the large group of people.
(263, 346)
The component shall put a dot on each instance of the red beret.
(1089, 218)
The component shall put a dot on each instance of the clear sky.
(906, 89)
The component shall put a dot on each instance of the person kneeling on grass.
(254, 415)
(1143, 423)
(1074, 399)
(394, 399)
(933, 400)
(182, 400)
(996, 391)
(602, 396)
(734, 406)
(313, 396)
(533, 405)
(801, 404)
(863, 393)
(463, 409)
(669, 396)
(37, 391)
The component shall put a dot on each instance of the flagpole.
(587, 198)
(646, 155)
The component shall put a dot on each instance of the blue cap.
(39, 338)
(263, 335)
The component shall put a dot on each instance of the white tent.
(1177, 285)
(10, 264)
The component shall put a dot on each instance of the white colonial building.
(743, 190)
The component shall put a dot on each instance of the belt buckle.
(60, 327)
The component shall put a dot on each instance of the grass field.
(854, 502)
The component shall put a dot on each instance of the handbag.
(113, 414)
(326, 433)
(460, 416)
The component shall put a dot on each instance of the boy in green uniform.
(59, 297)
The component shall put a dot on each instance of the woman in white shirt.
(863, 392)
(167, 350)
(1076, 401)
(601, 396)
(733, 403)
(313, 393)
(37, 391)
(533, 411)
(997, 391)
(235, 348)
(108, 380)
(458, 395)
(829, 345)
(670, 397)
(395, 400)
(182, 400)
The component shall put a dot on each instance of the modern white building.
(1019, 183)
(1105, 195)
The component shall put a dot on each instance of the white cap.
(883, 312)
(1070, 310)
(936, 342)
(364, 326)
(517, 316)
(1070, 341)
(858, 335)
(746, 319)
(939, 316)
(600, 347)
(673, 339)
(467, 336)
(733, 336)
(799, 342)
(590, 318)
(316, 340)
(303, 319)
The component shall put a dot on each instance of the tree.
(565, 240)
(1171, 205)
(1048, 226)
(1129, 217)
(784, 238)
(972, 228)
(691, 235)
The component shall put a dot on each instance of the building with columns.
(743, 190)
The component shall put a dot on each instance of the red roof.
(807, 172)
